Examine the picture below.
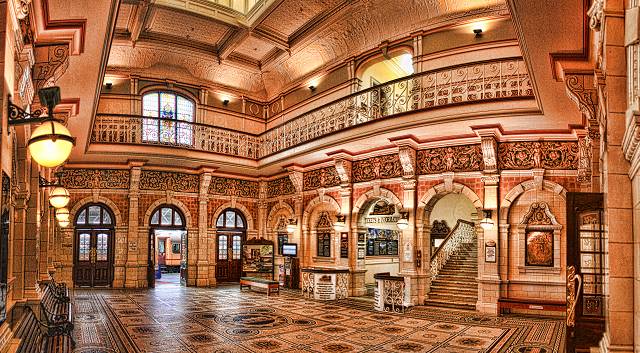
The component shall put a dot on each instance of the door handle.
(93, 255)
(573, 294)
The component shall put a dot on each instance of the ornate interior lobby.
(320, 176)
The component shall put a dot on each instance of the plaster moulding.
(57, 31)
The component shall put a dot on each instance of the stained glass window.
(83, 247)
(172, 117)
(94, 215)
(166, 216)
(230, 219)
(102, 247)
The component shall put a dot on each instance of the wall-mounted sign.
(361, 237)
(383, 219)
(361, 253)
(344, 245)
(490, 251)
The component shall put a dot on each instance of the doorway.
(167, 263)
(94, 247)
(231, 232)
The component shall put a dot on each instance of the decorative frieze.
(280, 186)
(450, 159)
(381, 167)
(407, 160)
(321, 178)
(162, 181)
(95, 178)
(490, 154)
(585, 148)
(234, 187)
(546, 155)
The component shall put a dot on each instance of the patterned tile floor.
(171, 319)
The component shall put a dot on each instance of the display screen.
(289, 249)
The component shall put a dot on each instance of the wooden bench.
(271, 286)
(37, 337)
(531, 304)
(56, 309)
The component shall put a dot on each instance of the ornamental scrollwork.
(179, 182)
(280, 186)
(234, 187)
(546, 155)
(450, 159)
(320, 178)
(381, 167)
(95, 178)
(46, 73)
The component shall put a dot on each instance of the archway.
(231, 233)
(168, 246)
(94, 244)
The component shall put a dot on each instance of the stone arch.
(434, 194)
(245, 212)
(119, 221)
(365, 198)
(168, 201)
(523, 187)
(308, 212)
(281, 207)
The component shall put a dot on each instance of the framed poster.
(344, 245)
(257, 257)
(539, 248)
(361, 238)
(490, 251)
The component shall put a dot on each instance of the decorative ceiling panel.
(189, 27)
(254, 48)
(123, 16)
(291, 15)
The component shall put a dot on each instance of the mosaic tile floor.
(171, 319)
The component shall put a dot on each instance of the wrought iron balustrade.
(477, 82)
(463, 232)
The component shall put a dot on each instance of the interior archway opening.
(168, 248)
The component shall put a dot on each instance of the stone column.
(132, 277)
(488, 276)
(32, 234)
(203, 279)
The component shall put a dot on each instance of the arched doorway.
(231, 232)
(94, 246)
(167, 247)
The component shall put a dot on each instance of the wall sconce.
(478, 32)
(58, 196)
(225, 102)
(50, 144)
(63, 224)
(487, 223)
(312, 88)
(340, 222)
(403, 222)
(292, 226)
(62, 214)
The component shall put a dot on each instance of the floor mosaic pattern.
(171, 319)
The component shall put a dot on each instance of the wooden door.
(151, 263)
(235, 257)
(183, 259)
(585, 271)
(94, 258)
(229, 257)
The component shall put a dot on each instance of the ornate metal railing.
(463, 232)
(477, 82)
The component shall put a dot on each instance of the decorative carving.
(382, 167)
(546, 155)
(280, 186)
(297, 179)
(582, 92)
(450, 159)
(162, 181)
(324, 221)
(585, 150)
(95, 178)
(440, 228)
(538, 214)
(408, 161)
(52, 62)
(6, 191)
(489, 154)
(22, 8)
(234, 187)
(321, 178)
(383, 208)
(572, 294)
(343, 168)
(596, 14)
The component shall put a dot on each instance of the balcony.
(471, 83)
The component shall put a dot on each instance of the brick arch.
(318, 201)
(281, 207)
(238, 206)
(523, 187)
(168, 201)
(119, 221)
(434, 194)
(371, 195)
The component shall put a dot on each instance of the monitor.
(290, 249)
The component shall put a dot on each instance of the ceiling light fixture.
(51, 142)
(225, 102)
(403, 222)
(478, 32)
(312, 88)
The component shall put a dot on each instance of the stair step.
(446, 291)
(447, 304)
(454, 284)
(456, 277)
(454, 297)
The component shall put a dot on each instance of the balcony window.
(171, 117)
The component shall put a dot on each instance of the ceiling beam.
(140, 19)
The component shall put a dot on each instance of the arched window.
(167, 216)
(230, 219)
(172, 117)
(94, 215)
(323, 235)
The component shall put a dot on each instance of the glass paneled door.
(94, 247)
(231, 233)
(586, 269)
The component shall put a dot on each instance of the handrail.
(473, 82)
(446, 239)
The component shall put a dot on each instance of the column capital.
(490, 179)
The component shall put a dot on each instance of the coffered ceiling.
(275, 46)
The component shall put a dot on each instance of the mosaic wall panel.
(323, 177)
(280, 186)
(233, 187)
(96, 178)
(450, 159)
(180, 182)
(381, 167)
(546, 154)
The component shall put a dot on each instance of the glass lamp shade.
(486, 223)
(59, 197)
(50, 144)
(403, 223)
(62, 214)
(63, 224)
(291, 228)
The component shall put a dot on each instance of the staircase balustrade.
(463, 232)
(474, 82)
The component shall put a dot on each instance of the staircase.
(455, 285)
